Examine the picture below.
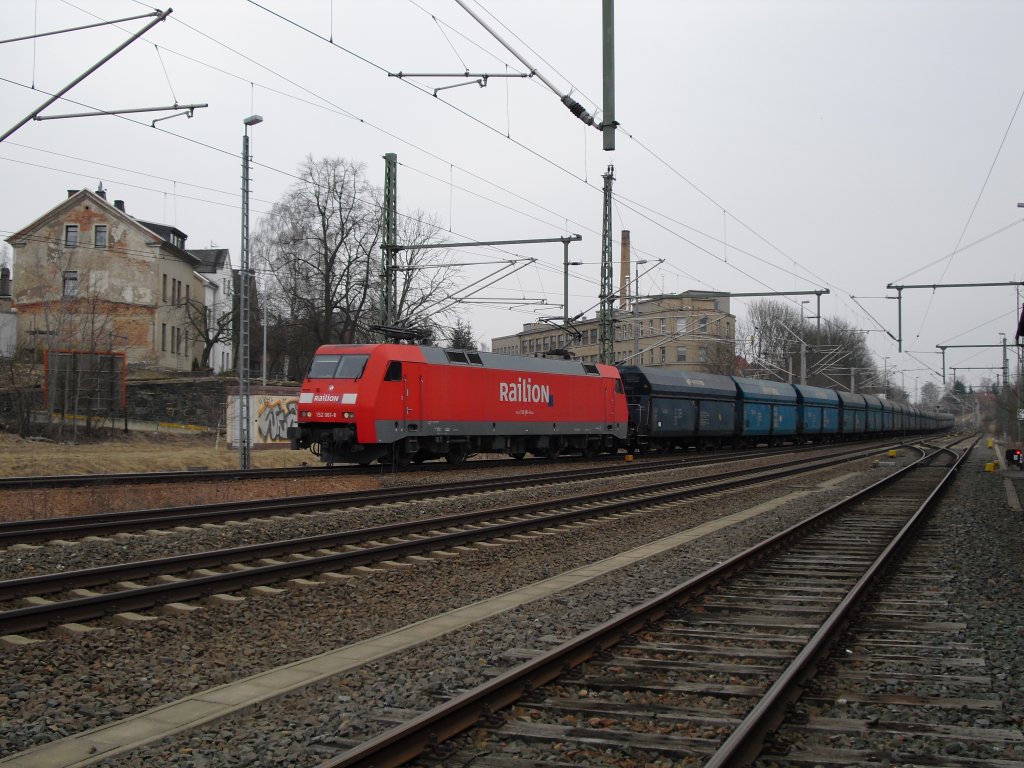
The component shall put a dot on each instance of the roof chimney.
(119, 204)
(101, 191)
(624, 271)
(72, 192)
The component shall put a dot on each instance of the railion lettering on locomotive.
(524, 391)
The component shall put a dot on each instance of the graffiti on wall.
(273, 416)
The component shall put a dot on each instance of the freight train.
(399, 403)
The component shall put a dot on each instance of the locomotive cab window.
(337, 366)
(394, 371)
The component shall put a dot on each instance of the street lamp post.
(244, 415)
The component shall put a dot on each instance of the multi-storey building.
(87, 276)
(688, 331)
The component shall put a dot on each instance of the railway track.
(188, 577)
(903, 685)
(106, 524)
(701, 674)
(202, 475)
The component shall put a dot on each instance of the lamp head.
(253, 120)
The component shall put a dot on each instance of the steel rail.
(401, 744)
(744, 744)
(55, 582)
(27, 482)
(594, 505)
(44, 529)
(30, 531)
(23, 482)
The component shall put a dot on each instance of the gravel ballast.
(79, 682)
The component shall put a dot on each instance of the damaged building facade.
(88, 276)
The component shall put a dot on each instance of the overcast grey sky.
(772, 145)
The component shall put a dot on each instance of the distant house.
(88, 276)
(215, 271)
(690, 331)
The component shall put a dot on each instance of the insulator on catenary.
(577, 109)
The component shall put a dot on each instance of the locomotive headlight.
(348, 415)
(307, 414)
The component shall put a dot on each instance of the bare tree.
(321, 250)
(720, 357)
(21, 390)
(212, 325)
(783, 345)
(426, 277)
(321, 243)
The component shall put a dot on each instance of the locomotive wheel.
(456, 454)
(396, 458)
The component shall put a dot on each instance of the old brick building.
(88, 276)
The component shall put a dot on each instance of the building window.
(163, 337)
(702, 354)
(663, 326)
(680, 325)
(164, 294)
(188, 293)
(99, 236)
(680, 354)
(663, 352)
(71, 283)
(703, 324)
(70, 235)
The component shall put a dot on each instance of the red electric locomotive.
(400, 403)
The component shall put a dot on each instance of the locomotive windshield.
(337, 366)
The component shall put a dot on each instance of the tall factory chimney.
(624, 272)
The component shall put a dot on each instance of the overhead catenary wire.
(382, 69)
(739, 251)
